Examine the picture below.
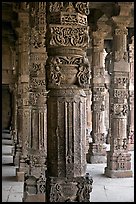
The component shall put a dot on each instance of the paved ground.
(12, 190)
(104, 189)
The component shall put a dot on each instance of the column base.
(20, 175)
(35, 198)
(118, 173)
(130, 147)
(96, 159)
(64, 189)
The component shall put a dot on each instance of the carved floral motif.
(119, 109)
(120, 93)
(69, 36)
(121, 80)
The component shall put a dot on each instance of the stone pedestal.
(120, 165)
(62, 189)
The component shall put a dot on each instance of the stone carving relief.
(120, 31)
(98, 107)
(56, 75)
(82, 7)
(55, 6)
(122, 161)
(83, 75)
(73, 18)
(37, 39)
(69, 36)
(70, 190)
(98, 98)
(123, 81)
(120, 144)
(41, 184)
(98, 90)
(37, 69)
(119, 55)
(37, 83)
(120, 94)
(120, 110)
(36, 98)
(53, 73)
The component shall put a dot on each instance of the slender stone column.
(108, 72)
(89, 105)
(68, 73)
(13, 89)
(23, 113)
(98, 152)
(118, 159)
(35, 180)
(131, 96)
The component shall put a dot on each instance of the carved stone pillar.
(88, 106)
(23, 113)
(36, 178)
(13, 89)
(131, 96)
(108, 71)
(68, 73)
(98, 152)
(118, 158)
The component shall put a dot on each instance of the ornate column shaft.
(35, 180)
(98, 152)
(131, 96)
(68, 73)
(118, 159)
(23, 89)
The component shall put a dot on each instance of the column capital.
(123, 19)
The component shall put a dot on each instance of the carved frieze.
(120, 110)
(98, 106)
(37, 69)
(37, 39)
(120, 93)
(37, 98)
(73, 18)
(41, 184)
(36, 83)
(69, 36)
(82, 7)
(98, 90)
(121, 81)
(119, 55)
(98, 97)
(79, 70)
(76, 189)
(55, 6)
(119, 31)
